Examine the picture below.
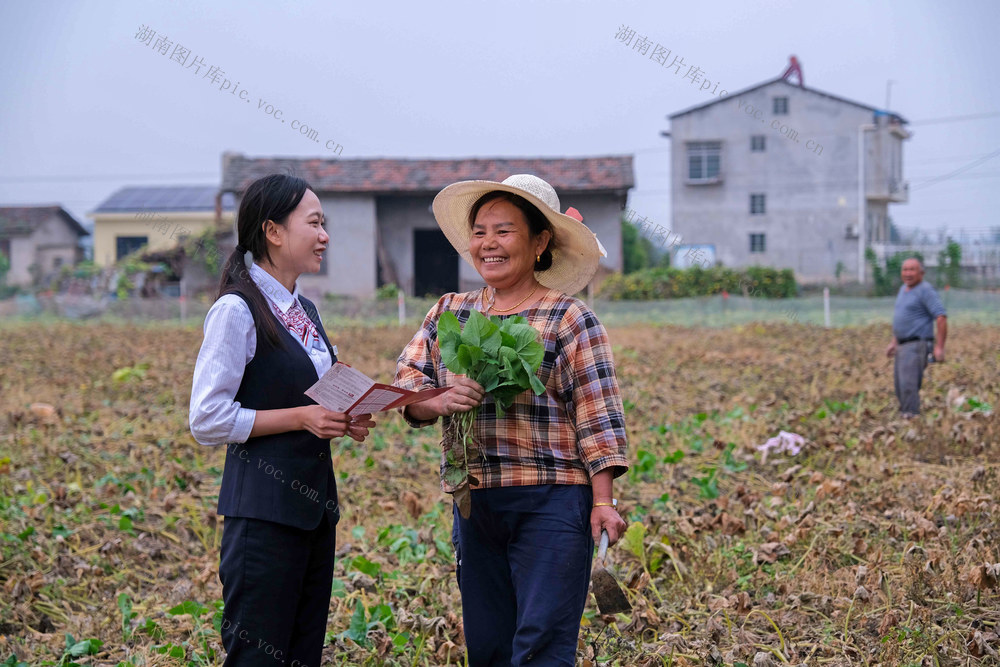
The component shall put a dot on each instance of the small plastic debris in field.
(783, 443)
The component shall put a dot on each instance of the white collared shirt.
(214, 415)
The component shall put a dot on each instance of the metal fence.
(716, 311)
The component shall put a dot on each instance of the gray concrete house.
(38, 241)
(771, 176)
(379, 216)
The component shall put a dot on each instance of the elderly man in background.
(918, 310)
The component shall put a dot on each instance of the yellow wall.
(162, 230)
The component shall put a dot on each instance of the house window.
(757, 143)
(780, 106)
(5, 248)
(57, 262)
(757, 204)
(126, 245)
(704, 161)
(757, 243)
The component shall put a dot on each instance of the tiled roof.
(18, 220)
(165, 198)
(385, 175)
(786, 82)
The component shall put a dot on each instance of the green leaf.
(188, 607)
(364, 565)
(448, 326)
(633, 540)
(151, 628)
(358, 629)
(536, 384)
(524, 334)
(381, 613)
(477, 329)
(454, 475)
(676, 457)
(399, 641)
(125, 607)
(449, 338)
(338, 590)
(489, 377)
(507, 340)
(469, 357)
(86, 647)
(491, 342)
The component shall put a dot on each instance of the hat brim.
(575, 257)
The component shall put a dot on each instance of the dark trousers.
(276, 584)
(523, 571)
(908, 373)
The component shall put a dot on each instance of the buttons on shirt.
(322, 456)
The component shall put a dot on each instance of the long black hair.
(537, 222)
(272, 198)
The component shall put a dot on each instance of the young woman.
(264, 346)
(548, 465)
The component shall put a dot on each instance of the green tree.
(886, 280)
(950, 264)
(5, 291)
(637, 250)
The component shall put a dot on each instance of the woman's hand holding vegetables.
(463, 396)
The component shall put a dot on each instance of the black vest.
(288, 477)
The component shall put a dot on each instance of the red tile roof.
(611, 173)
(20, 220)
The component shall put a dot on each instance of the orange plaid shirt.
(573, 430)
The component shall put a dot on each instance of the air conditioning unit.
(852, 231)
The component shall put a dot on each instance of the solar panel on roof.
(165, 198)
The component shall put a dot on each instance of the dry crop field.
(877, 544)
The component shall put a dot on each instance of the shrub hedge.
(671, 283)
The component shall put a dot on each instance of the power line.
(938, 160)
(102, 177)
(956, 119)
(952, 174)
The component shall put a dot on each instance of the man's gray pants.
(908, 373)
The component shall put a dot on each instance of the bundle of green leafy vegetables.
(501, 354)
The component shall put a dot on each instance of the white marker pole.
(183, 301)
(401, 306)
(826, 307)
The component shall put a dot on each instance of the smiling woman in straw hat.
(546, 470)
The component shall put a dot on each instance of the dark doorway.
(435, 263)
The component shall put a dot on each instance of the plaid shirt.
(573, 430)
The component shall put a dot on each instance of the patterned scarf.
(298, 323)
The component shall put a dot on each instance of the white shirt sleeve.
(214, 415)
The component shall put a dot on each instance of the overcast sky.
(86, 108)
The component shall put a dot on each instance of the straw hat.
(576, 251)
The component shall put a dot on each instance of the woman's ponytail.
(269, 198)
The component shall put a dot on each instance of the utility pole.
(862, 203)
